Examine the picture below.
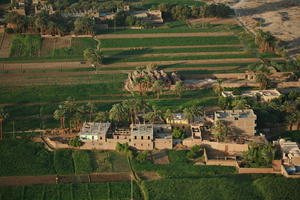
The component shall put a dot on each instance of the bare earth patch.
(280, 17)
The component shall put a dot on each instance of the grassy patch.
(119, 162)
(21, 157)
(84, 191)
(175, 50)
(82, 162)
(25, 45)
(63, 162)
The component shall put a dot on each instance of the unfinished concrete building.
(241, 122)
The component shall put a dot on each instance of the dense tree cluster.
(259, 155)
(184, 12)
(44, 23)
(123, 18)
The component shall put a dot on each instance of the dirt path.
(4, 49)
(158, 35)
(86, 178)
(74, 65)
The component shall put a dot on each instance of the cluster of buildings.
(262, 95)
(159, 136)
(19, 6)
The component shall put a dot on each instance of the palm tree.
(291, 119)
(118, 113)
(91, 109)
(193, 112)
(179, 88)
(157, 88)
(188, 115)
(70, 109)
(262, 73)
(265, 40)
(169, 115)
(3, 116)
(239, 104)
(59, 114)
(154, 114)
(220, 131)
(94, 56)
(218, 89)
(102, 117)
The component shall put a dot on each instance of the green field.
(84, 191)
(25, 45)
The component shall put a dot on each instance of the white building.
(94, 131)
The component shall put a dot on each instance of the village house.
(241, 122)
(94, 131)
(290, 155)
(139, 136)
(262, 95)
(177, 119)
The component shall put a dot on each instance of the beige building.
(139, 136)
(177, 119)
(263, 95)
(290, 152)
(241, 122)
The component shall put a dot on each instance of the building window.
(142, 137)
(135, 137)
(148, 137)
(236, 118)
(100, 138)
(141, 144)
(117, 137)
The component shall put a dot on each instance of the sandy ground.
(280, 17)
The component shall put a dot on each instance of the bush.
(63, 162)
(75, 142)
(178, 133)
(196, 151)
(82, 162)
(142, 156)
(122, 147)
(236, 91)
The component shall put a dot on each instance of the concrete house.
(241, 122)
(94, 131)
(263, 95)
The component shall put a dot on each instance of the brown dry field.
(51, 179)
(74, 65)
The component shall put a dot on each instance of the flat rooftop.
(142, 129)
(247, 113)
(94, 128)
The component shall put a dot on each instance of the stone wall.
(163, 143)
(221, 146)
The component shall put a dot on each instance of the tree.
(157, 88)
(154, 114)
(118, 113)
(3, 116)
(168, 115)
(60, 114)
(102, 117)
(225, 102)
(179, 88)
(84, 25)
(192, 112)
(94, 56)
(75, 142)
(262, 73)
(220, 131)
(141, 157)
(259, 155)
(218, 89)
(239, 104)
(291, 119)
(265, 40)
(91, 109)
(178, 133)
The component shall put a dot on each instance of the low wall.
(163, 144)
(221, 146)
(257, 171)
(231, 163)
(285, 173)
(289, 84)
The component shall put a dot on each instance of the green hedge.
(82, 162)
